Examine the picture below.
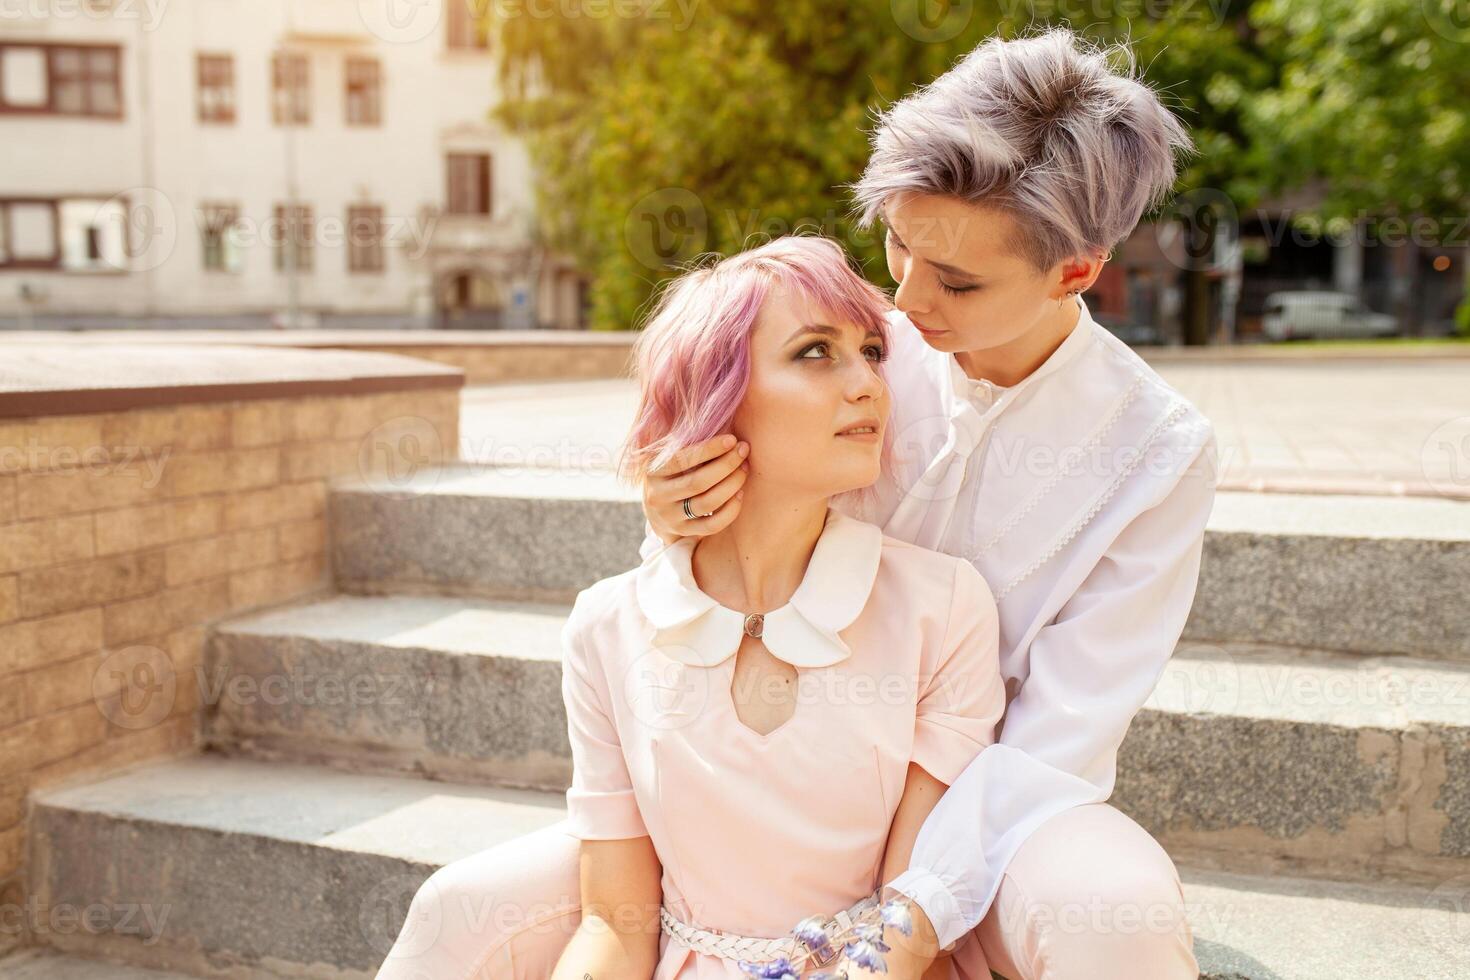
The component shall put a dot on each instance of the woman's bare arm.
(621, 889)
(911, 955)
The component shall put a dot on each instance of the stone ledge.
(76, 379)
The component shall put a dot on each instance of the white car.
(1322, 314)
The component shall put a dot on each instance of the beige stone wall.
(492, 363)
(123, 536)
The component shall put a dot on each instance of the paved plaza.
(1330, 426)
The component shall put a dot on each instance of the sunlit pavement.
(1390, 427)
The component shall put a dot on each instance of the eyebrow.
(953, 270)
(823, 328)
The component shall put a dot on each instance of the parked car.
(1307, 313)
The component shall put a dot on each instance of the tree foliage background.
(663, 129)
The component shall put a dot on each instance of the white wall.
(434, 100)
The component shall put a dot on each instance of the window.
(61, 79)
(73, 235)
(216, 88)
(93, 235)
(294, 237)
(364, 238)
(364, 88)
(467, 25)
(469, 183)
(290, 90)
(221, 250)
(28, 234)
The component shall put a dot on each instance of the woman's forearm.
(597, 951)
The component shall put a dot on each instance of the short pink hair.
(693, 356)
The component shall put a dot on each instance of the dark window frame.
(50, 50)
(225, 80)
(481, 185)
(217, 218)
(7, 235)
(363, 91)
(466, 26)
(290, 88)
(365, 257)
(303, 251)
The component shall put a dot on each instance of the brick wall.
(124, 535)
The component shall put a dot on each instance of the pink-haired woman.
(761, 718)
(1034, 445)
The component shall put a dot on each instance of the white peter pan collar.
(693, 628)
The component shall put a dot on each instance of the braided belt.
(736, 947)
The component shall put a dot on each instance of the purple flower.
(865, 955)
(809, 932)
(895, 913)
(777, 969)
(872, 934)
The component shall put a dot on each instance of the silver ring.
(687, 512)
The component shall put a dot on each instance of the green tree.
(657, 137)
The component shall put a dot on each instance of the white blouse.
(1081, 494)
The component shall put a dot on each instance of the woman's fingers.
(708, 475)
(691, 456)
(679, 486)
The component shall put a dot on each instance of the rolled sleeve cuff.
(929, 892)
(604, 815)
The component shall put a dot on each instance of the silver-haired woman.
(1037, 446)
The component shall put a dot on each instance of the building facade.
(220, 163)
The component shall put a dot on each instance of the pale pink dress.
(897, 650)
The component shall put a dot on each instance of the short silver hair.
(1046, 128)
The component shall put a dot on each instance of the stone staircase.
(1306, 757)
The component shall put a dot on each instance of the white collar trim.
(690, 626)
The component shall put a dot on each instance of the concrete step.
(1271, 756)
(451, 688)
(47, 964)
(301, 871)
(1283, 928)
(471, 530)
(1277, 758)
(1359, 574)
(247, 866)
